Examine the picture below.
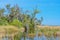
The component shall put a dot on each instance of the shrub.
(17, 23)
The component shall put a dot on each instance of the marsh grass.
(49, 31)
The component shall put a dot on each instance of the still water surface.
(41, 38)
(37, 38)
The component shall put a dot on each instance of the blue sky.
(50, 9)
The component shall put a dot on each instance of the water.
(43, 37)
(36, 37)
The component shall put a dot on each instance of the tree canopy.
(14, 16)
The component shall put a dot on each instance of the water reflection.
(43, 37)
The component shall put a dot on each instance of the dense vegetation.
(17, 17)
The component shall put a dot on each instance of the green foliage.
(18, 36)
(3, 21)
(17, 23)
(17, 18)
